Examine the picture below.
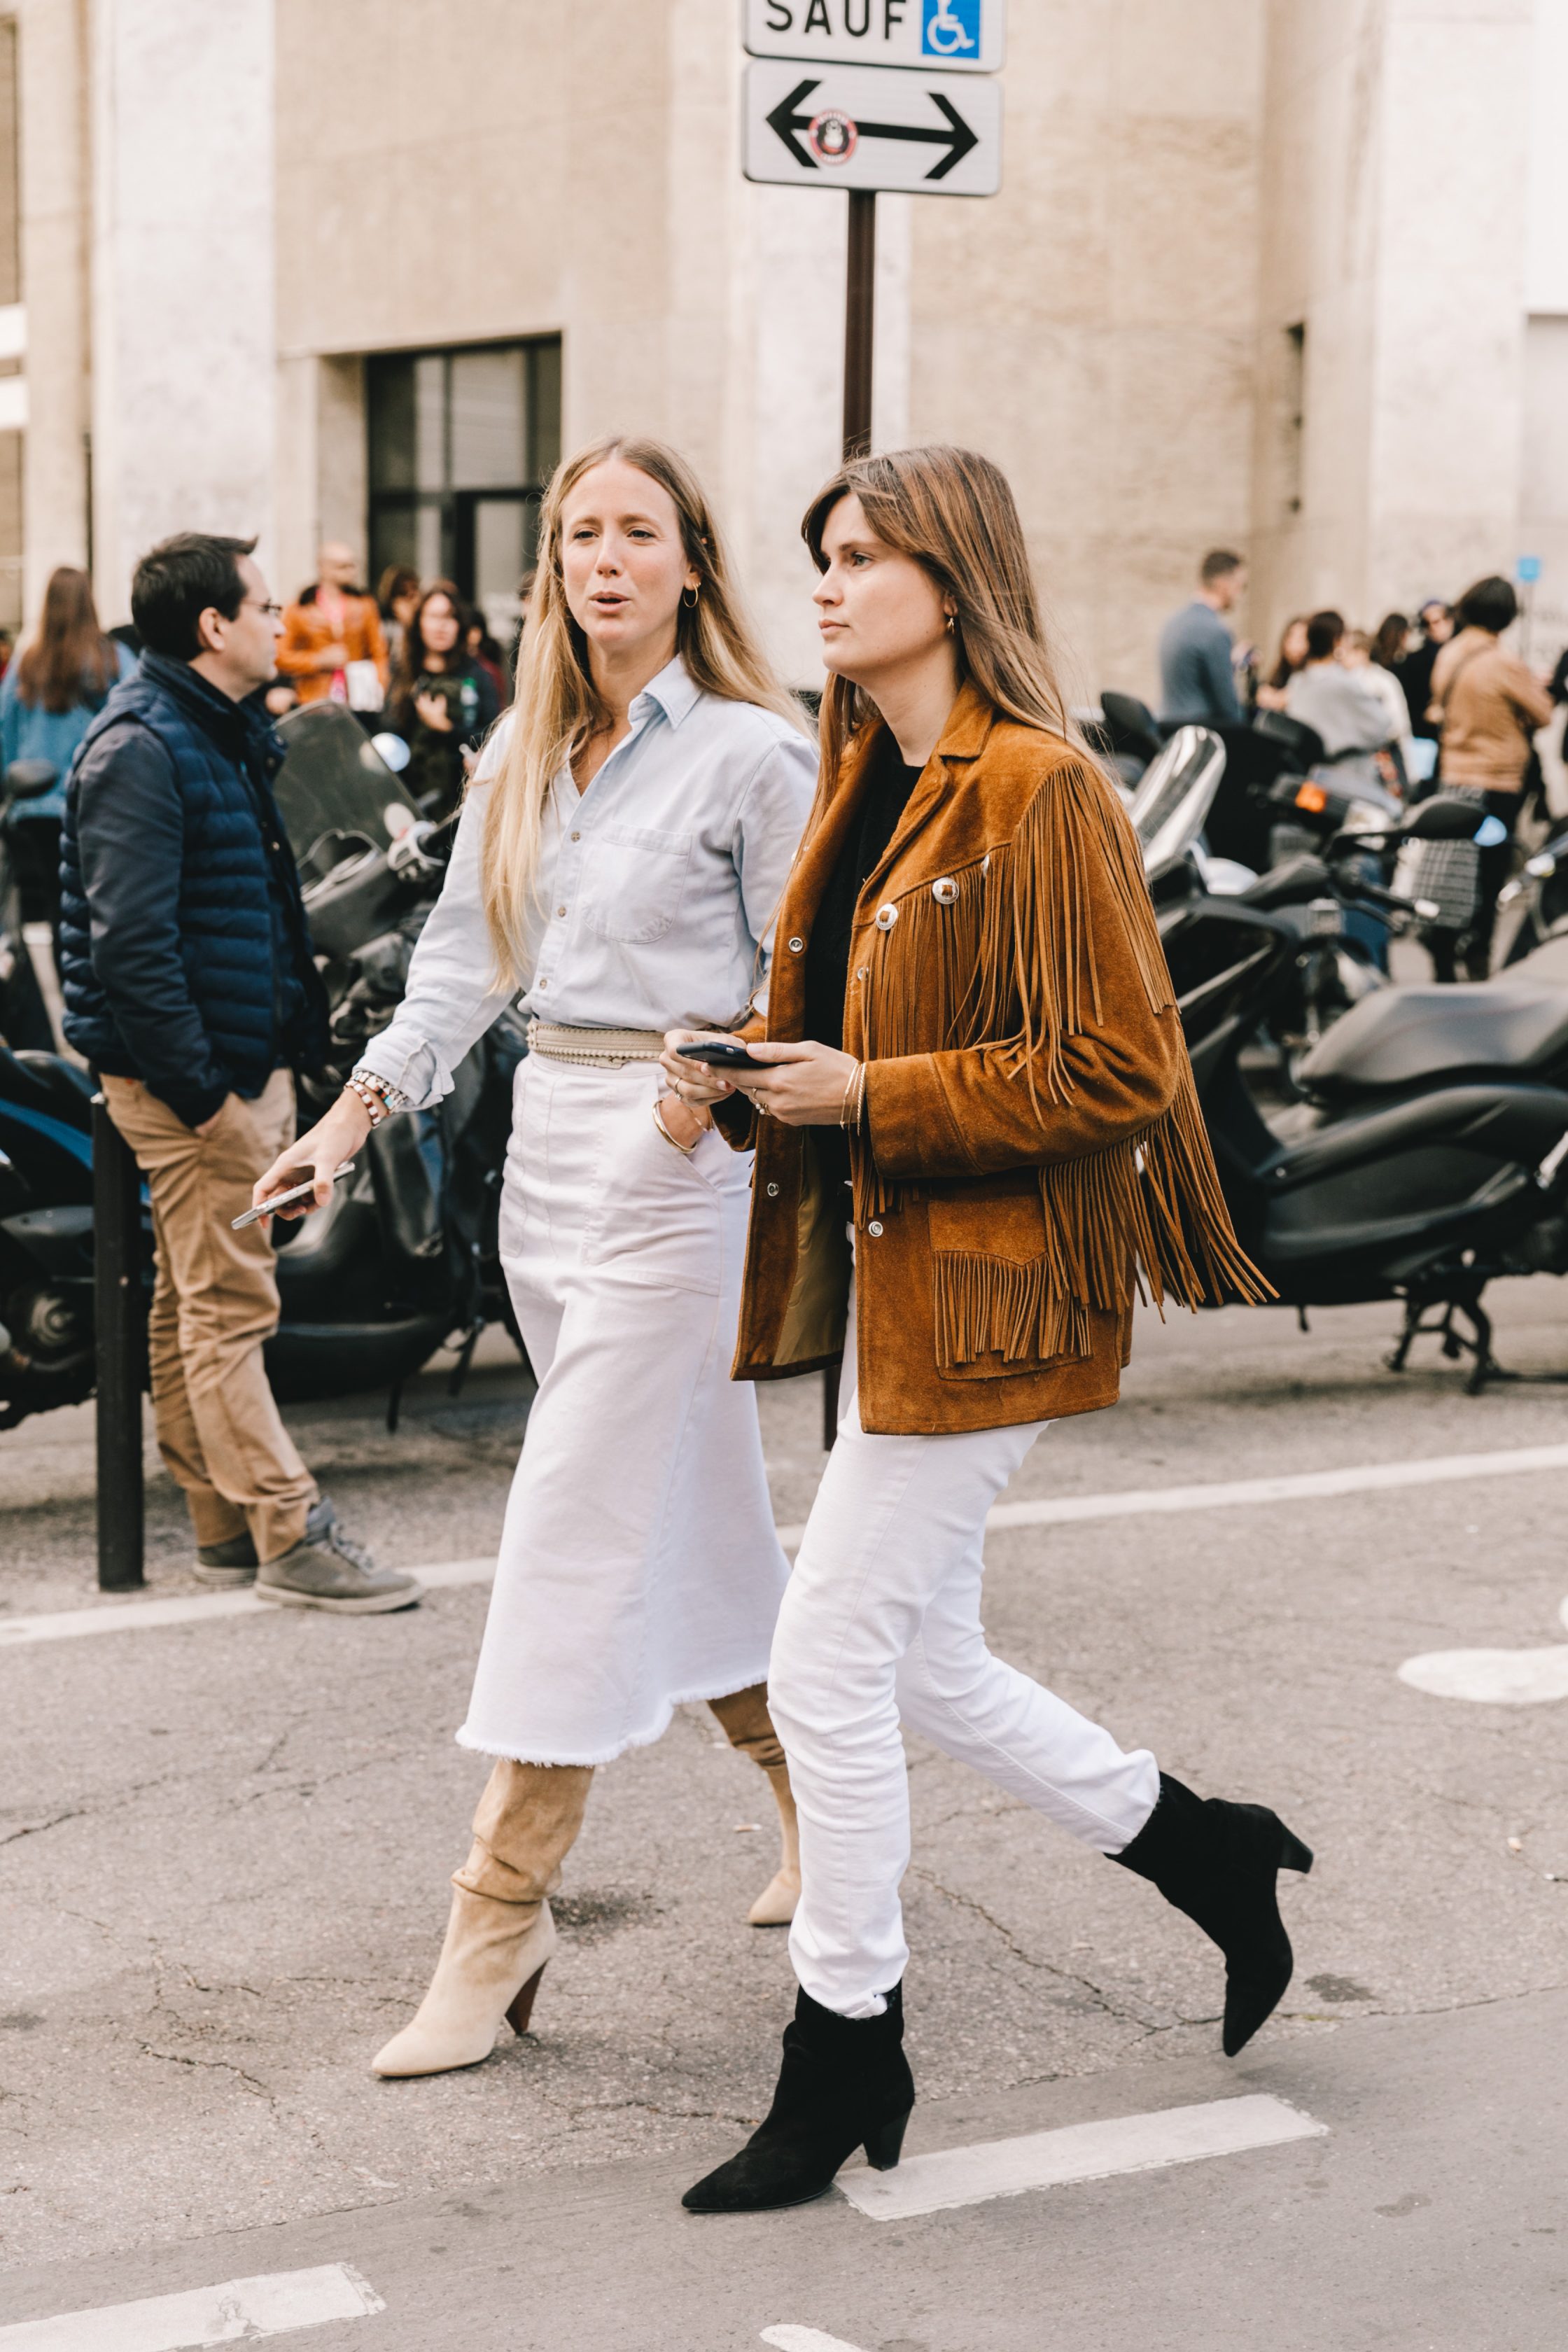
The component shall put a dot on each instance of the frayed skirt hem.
(516, 1755)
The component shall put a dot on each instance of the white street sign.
(953, 34)
(929, 134)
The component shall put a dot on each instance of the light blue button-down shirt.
(657, 888)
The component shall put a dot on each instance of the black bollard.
(117, 1309)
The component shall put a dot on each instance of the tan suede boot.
(774, 1907)
(749, 1728)
(490, 1968)
(499, 1934)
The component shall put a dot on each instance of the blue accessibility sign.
(950, 28)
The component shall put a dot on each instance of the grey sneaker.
(328, 1571)
(230, 1564)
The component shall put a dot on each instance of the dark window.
(461, 446)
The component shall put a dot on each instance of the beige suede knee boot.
(748, 1726)
(499, 1934)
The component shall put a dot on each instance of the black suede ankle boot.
(845, 2082)
(1217, 1862)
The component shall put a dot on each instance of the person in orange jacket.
(333, 624)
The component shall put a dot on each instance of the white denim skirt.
(640, 1566)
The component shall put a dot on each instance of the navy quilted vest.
(233, 834)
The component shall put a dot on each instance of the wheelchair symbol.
(944, 35)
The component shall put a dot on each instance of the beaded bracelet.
(380, 1097)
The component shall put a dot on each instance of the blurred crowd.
(1432, 701)
(415, 660)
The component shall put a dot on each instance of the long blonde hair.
(558, 705)
(953, 511)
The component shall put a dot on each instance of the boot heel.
(522, 2010)
(1293, 1854)
(885, 2144)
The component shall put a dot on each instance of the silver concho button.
(944, 891)
(887, 917)
(875, 1227)
(797, 947)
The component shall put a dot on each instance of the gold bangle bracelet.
(685, 1149)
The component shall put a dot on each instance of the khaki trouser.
(529, 1814)
(213, 1304)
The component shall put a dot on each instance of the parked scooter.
(30, 1006)
(1541, 893)
(1432, 1155)
(404, 1257)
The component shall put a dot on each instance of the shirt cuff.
(414, 1068)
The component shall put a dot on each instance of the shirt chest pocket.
(633, 882)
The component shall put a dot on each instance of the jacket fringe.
(1010, 961)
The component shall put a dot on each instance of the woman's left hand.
(807, 1085)
(433, 710)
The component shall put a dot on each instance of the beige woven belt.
(600, 1049)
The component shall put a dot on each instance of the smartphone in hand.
(725, 1055)
(285, 1200)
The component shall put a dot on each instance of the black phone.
(722, 1054)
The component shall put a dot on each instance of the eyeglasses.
(274, 611)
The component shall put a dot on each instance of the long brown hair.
(70, 660)
(953, 511)
(558, 705)
(412, 658)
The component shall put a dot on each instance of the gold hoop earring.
(690, 598)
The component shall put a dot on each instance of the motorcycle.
(1430, 1156)
(404, 1257)
(30, 1006)
(1541, 893)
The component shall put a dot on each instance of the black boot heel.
(839, 2074)
(1217, 1862)
(886, 2144)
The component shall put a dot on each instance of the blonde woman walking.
(618, 861)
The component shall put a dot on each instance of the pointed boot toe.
(488, 1972)
(776, 1906)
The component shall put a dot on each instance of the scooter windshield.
(335, 781)
(1174, 795)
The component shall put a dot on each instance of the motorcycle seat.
(1403, 1036)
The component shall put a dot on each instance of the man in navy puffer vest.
(191, 989)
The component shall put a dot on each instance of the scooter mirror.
(1446, 818)
(26, 779)
(392, 750)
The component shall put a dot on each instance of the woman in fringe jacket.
(972, 1024)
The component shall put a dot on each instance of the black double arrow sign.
(954, 134)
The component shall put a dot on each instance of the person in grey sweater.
(1197, 684)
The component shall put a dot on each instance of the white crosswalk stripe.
(1005, 2168)
(240, 2310)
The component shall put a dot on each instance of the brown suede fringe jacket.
(1031, 1139)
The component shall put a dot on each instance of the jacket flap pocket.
(1010, 1224)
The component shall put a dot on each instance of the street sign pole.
(117, 1311)
(859, 321)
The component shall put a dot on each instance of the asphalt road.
(223, 1849)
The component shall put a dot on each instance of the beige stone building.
(1288, 275)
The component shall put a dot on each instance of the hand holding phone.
(286, 1200)
(725, 1054)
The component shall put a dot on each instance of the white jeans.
(881, 1619)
